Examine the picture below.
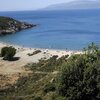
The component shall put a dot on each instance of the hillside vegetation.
(66, 78)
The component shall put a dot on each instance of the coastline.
(24, 58)
(58, 52)
(22, 52)
(25, 47)
(13, 70)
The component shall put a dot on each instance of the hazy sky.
(11, 5)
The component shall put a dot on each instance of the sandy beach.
(14, 69)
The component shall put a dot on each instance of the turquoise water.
(72, 29)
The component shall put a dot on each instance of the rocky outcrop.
(10, 25)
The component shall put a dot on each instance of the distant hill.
(79, 4)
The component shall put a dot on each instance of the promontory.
(9, 25)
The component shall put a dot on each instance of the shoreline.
(22, 52)
(24, 58)
(26, 47)
(13, 70)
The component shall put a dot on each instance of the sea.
(70, 29)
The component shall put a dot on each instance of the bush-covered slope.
(66, 78)
(80, 76)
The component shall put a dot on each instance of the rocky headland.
(9, 25)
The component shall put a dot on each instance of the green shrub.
(3, 51)
(80, 76)
(34, 53)
(57, 97)
(49, 87)
(37, 98)
(8, 53)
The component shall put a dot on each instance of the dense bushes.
(49, 87)
(37, 98)
(80, 76)
(8, 53)
(50, 64)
